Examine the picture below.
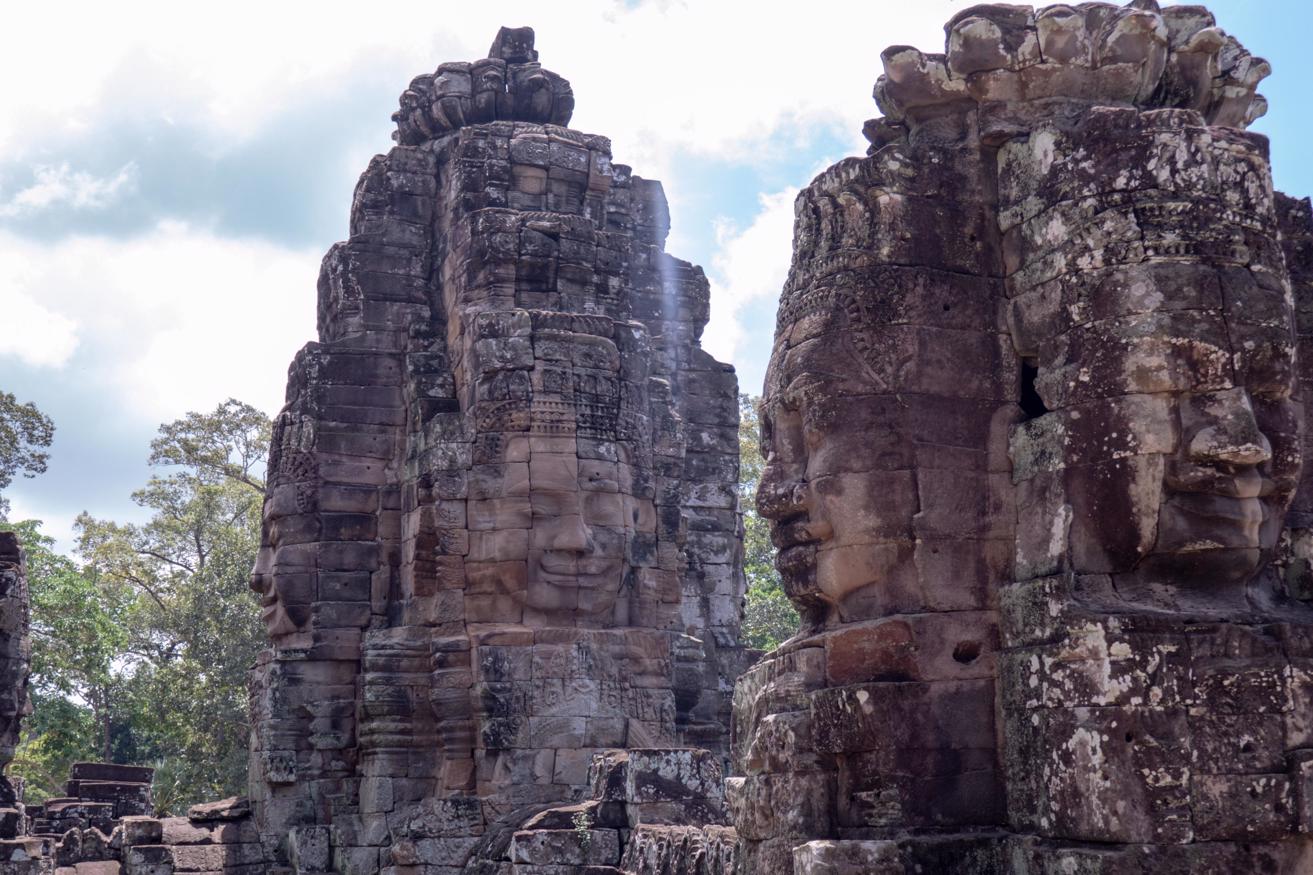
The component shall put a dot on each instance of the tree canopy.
(140, 653)
(25, 437)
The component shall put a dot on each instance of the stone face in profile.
(500, 532)
(1032, 426)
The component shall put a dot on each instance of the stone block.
(566, 847)
(785, 805)
(672, 776)
(148, 860)
(847, 858)
(1243, 807)
(310, 848)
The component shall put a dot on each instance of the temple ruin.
(1034, 426)
(501, 530)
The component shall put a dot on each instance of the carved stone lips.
(796, 538)
(1220, 507)
(1219, 481)
(577, 570)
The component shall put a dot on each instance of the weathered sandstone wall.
(501, 532)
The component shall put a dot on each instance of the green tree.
(190, 623)
(77, 635)
(25, 435)
(769, 617)
(141, 653)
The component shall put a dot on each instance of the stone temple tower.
(1034, 431)
(501, 526)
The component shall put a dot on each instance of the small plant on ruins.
(583, 828)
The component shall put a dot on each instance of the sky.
(171, 175)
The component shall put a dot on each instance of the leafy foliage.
(769, 618)
(228, 444)
(76, 636)
(141, 654)
(25, 433)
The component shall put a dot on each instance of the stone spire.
(501, 526)
(508, 85)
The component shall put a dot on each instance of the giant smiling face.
(561, 445)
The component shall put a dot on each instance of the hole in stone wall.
(966, 652)
(1130, 736)
(1031, 404)
(1247, 747)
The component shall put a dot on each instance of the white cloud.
(33, 334)
(171, 321)
(664, 79)
(714, 77)
(749, 267)
(61, 185)
(54, 524)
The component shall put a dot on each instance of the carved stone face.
(577, 543)
(1163, 444)
(812, 514)
(412, 116)
(284, 575)
(283, 612)
(451, 95)
(15, 705)
(514, 45)
(531, 93)
(489, 84)
(876, 462)
(552, 406)
(1197, 401)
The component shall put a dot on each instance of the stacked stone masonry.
(501, 531)
(97, 795)
(1032, 426)
(15, 663)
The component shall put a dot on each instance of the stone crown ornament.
(1000, 56)
(508, 85)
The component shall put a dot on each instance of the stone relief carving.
(1046, 328)
(501, 530)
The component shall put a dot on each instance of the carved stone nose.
(571, 536)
